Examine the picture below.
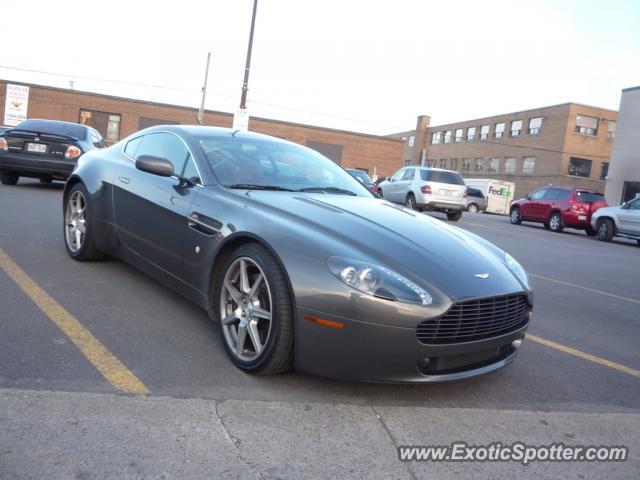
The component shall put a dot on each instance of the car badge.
(37, 139)
(482, 275)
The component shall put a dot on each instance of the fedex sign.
(503, 191)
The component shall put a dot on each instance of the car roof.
(567, 187)
(202, 130)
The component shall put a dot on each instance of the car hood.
(409, 242)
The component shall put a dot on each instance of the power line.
(193, 90)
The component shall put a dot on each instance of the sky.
(367, 66)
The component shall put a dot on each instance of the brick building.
(568, 144)
(117, 117)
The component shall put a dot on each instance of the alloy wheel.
(602, 231)
(473, 208)
(554, 223)
(515, 215)
(75, 221)
(245, 309)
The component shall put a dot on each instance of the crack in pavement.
(235, 441)
(393, 439)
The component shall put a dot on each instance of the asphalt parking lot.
(64, 412)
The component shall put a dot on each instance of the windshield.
(53, 128)
(361, 175)
(278, 165)
(589, 197)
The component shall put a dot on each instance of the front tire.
(77, 229)
(473, 208)
(9, 178)
(555, 223)
(454, 216)
(255, 311)
(515, 217)
(605, 230)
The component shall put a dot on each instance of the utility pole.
(241, 118)
(204, 91)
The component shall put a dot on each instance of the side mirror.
(154, 165)
(528, 197)
(625, 205)
(390, 180)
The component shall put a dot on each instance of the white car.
(422, 188)
(622, 221)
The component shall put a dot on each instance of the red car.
(558, 207)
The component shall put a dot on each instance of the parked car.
(621, 221)
(4, 128)
(476, 201)
(44, 149)
(364, 178)
(300, 267)
(432, 189)
(558, 207)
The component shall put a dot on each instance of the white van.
(498, 193)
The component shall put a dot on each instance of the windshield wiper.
(253, 186)
(328, 189)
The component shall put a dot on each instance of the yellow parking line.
(586, 356)
(112, 369)
(593, 290)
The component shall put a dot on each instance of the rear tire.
(9, 178)
(514, 216)
(546, 225)
(473, 208)
(590, 232)
(275, 354)
(410, 202)
(606, 229)
(454, 216)
(76, 226)
(555, 223)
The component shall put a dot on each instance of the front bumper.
(36, 165)
(380, 353)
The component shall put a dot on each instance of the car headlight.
(378, 281)
(516, 269)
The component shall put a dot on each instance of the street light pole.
(204, 92)
(245, 84)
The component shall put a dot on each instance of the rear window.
(589, 197)
(451, 178)
(54, 128)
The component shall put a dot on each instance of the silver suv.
(433, 189)
(622, 221)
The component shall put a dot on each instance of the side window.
(132, 147)
(190, 170)
(634, 205)
(552, 194)
(409, 174)
(165, 145)
(539, 194)
(398, 175)
(95, 139)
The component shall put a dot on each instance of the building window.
(579, 167)
(494, 165)
(412, 139)
(604, 170)
(408, 162)
(510, 165)
(466, 164)
(435, 138)
(534, 126)
(442, 164)
(447, 136)
(516, 128)
(459, 133)
(611, 130)
(479, 165)
(586, 125)
(431, 163)
(454, 164)
(108, 124)
(499, 131)
(528, 165)
(471, 134)
(484, 132)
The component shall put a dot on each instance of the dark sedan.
(44, 149)
(300, 266)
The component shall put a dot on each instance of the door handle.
(203, 224)
(124, 180)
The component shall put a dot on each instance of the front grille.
(476, 320)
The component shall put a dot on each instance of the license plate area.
(36, 148)
(582, 217)
(446, 193)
